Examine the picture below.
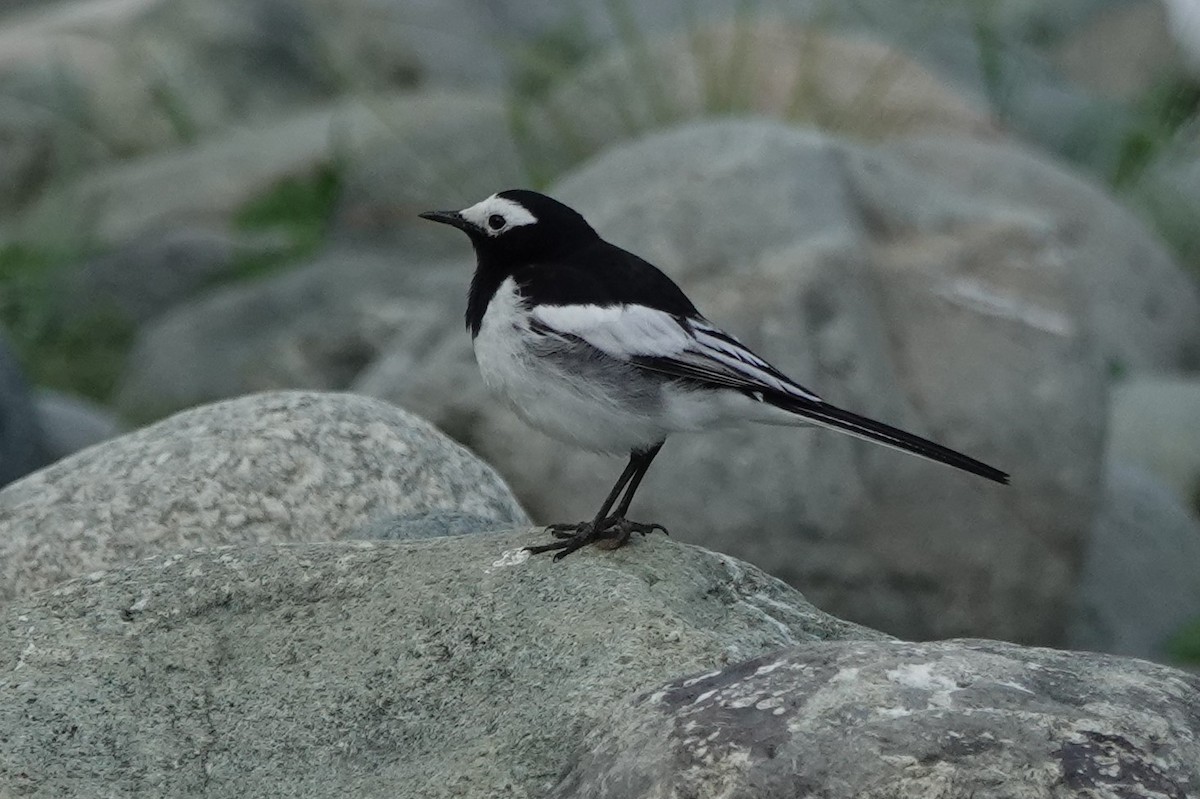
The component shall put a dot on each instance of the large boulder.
(904, 721)
(92, 81)
(1154, 422)
(1140, 583)
(135, 281)
(769, 67)
(222, 171)
(889, 288)
(269, 468)
(1125, 50)
(315, 326)
(1144, 309)
(448, 667)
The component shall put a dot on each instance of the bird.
(598, 348)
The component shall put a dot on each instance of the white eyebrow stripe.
(513, 212)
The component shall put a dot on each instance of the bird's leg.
(622, 525)
(569, 530)
(616, 527)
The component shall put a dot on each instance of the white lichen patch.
(768, 703)
(920, 676)
(142, 602)
(510, 557)
(768, 667)
(688, 683)
(978, 296)
(1015, 686)
(893, 712)
(845, 675)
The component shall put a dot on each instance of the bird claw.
(615, 530)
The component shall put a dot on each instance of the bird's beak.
(452, 218)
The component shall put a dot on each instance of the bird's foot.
(613, 531)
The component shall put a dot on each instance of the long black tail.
(831, 416)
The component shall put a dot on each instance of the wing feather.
(686, 347)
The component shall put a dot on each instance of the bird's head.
(517, 226)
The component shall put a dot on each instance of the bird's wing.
(687, 347)
(692, 348)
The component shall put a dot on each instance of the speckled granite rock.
(433, 524)
(417, 669)
(872, 719)
(265, 468)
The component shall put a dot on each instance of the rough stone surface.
(261, 469)
(1154, 422)
(887, 291)
(1140, 582)
(70, 423)
(22, 444)
(869, 720)
(448, 667)
(426, 525)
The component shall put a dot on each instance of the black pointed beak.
(452, 218)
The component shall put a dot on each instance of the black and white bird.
(596, 347)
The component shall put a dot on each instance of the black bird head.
(516, 227)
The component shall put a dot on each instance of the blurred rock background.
(973, 218)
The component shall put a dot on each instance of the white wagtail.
(596, 347)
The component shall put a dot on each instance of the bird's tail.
(826, 415)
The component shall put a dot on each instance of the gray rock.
(69, 99)
(1020, 20)
(71, 423)
(446, 150)
(156, 270)
(1185, 29)
(888, 291)
(285, 467)
(447, 667)
(1141, 578)
(315, 326)
(1124, 51)
(768, 67)
(221, 172)
(248, 56)
(436, 524)
(86, 83)
(1154, 423)
(22, 442)
(1168, 192)
(899, 720)
(1145, 310)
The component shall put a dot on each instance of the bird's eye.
(495, 221)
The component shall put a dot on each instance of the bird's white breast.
(549, 394)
